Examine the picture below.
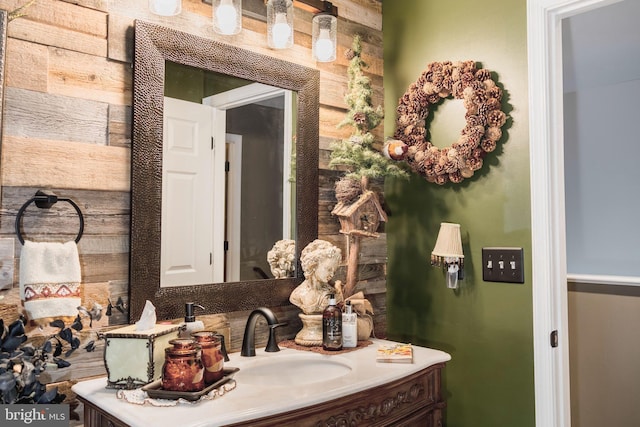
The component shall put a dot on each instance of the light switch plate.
(503, 265)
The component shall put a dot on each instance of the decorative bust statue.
(319, 260)
(281, 258)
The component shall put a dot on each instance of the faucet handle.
(277, 325)
(272, 343)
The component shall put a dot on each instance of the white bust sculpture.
(281, 258)
(319, 260)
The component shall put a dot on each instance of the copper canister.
(183, 369)
(212, 357)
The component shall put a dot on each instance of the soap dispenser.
(190, 323)
(332, 326)
(349, 327)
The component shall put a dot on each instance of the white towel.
(50, 279)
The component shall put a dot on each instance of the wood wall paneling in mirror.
(3, 52)
(154, 47)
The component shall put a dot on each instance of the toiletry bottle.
(349, 327)
(332, 326)
(190, 323)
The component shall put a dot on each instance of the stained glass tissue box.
(135, 358)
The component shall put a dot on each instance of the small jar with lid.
(212, 356)
(183, 369)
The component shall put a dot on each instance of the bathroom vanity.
(296, 388)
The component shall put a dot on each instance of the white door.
(188, 255)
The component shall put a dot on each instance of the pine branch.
(20, 12)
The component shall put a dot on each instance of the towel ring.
(45, 201)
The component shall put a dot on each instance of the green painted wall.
(486, 327)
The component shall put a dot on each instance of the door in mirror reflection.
(188, 191)
(228, 191)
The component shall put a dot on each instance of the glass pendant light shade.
(165, 7)
(280, 24)
(324, 37)
(227, 16)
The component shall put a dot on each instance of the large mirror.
(158, 51)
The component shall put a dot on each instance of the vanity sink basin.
(296, 369)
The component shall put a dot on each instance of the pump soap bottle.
(332, 326)
(349, 327)
(190, 323)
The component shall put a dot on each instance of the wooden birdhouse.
(361, 217)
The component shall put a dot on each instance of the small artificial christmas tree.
(358, 208)
(358, 153)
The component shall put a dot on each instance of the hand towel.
(50, 279)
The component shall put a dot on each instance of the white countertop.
(250, 401)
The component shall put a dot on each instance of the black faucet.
(248, 342)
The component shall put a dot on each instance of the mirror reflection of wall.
(221, 214)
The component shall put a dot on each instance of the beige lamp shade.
(449, 242)
(448, 253)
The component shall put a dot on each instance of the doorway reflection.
(252, 184)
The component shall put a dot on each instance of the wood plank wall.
(67, 129)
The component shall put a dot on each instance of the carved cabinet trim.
(415, 400)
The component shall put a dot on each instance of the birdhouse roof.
(346, 209)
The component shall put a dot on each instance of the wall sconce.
(227, 20)
(280, 24)
(165, 7)
(227, 16)
(448, 253)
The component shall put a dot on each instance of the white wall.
(601, 56)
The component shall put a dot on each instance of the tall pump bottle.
(332, 326)
(349, 327)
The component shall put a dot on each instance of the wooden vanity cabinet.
(412, 401)
(415, 400)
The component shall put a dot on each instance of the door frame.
(233, 144)
(548, 236)
(254, 93)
